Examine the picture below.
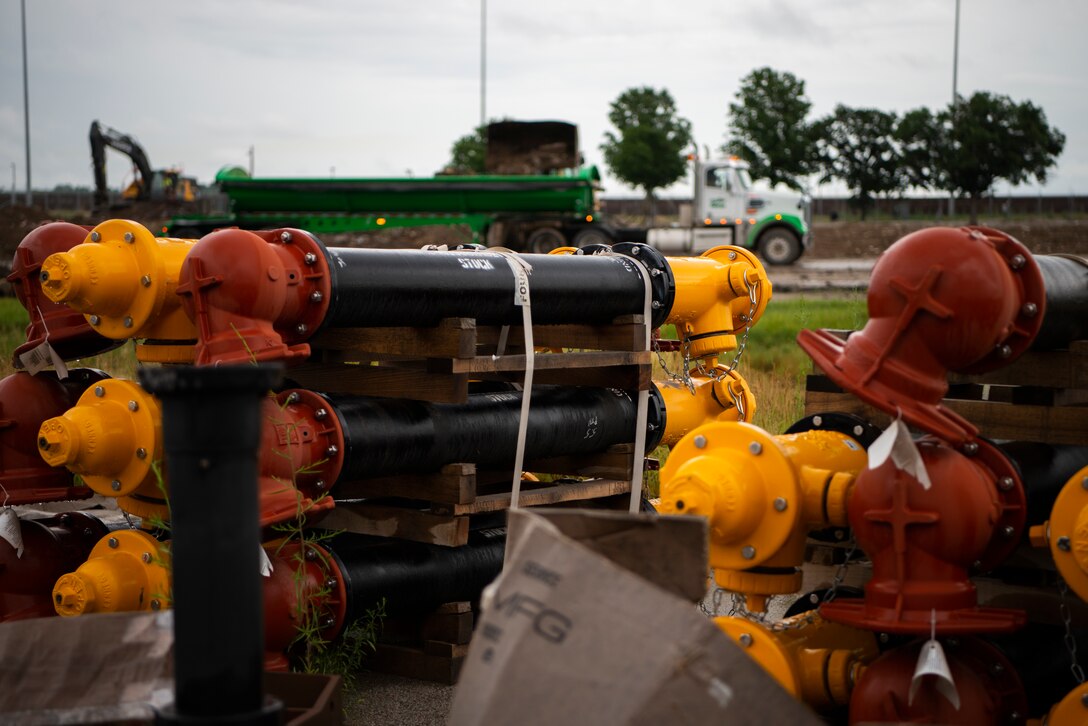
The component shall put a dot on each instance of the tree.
(768, 127)
(989, 137)
(918, 135)
(649, 150)
(468, 155)
(857, 146)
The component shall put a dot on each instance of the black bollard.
(211, 433)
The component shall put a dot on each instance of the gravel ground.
(383, 700)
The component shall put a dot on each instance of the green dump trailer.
(556, 207)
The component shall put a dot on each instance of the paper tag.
(266, 563)
(10, 531)
(896, 443)
(932, 662)
(40, 357)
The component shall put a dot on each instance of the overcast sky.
(376, 88)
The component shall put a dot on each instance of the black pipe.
(372, 287)
(211, 435)
(413, 577)
(400, 436)
(1066, 320)
(1044, 470)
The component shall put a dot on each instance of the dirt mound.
(868, 239)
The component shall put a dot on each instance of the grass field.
(120, 362)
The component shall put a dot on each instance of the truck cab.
(728, 209)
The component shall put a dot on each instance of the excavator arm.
(103, 136)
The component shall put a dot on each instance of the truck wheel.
(779, 246)
(545, 239)
(588, 237)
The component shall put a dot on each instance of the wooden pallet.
(430, 647)
(436, 364)
(388, 361)
(1042, 396)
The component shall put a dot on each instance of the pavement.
(814, 275)
(379, 699)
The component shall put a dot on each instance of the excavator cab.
(167, 185)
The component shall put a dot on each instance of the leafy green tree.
(919, 137)
(468, 155)
(648, 151)
(768, 127)
(858, 146)
(989, 137)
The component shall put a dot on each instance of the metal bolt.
(133, 406)
(1084, 483)
(1005, 483)
(319, 485)
(1084, 700)
(309, 258)
(1064, 544)
(316, 296)
(292, 397)
(997, 668)
(634, 250)
(311, 554)
(970, 448)
(95, 236)
(1008, 530)
(656, 304)
(331, 583)
(332, 451)
(780, 504)
(141, 453)
(745, 639)
(127, 321)
(99, 391)
(817, 420)
(814, 599)
(732, 255)
(1029, 310)
(285, 237)
(112, 542)
(883, 638)
(146, 557)
(94, 320)
(156, 605)
(1004, 351)
(653, 273)
(858, 430)
(328, 621)
(1017, 261)
(320, 413)
(700, 442)
(146, 280)
(748, 552)
(301, 328)
(205, 464)
(88, 532)
(756, 448)
(977, 564)
(115, 485)
(129, 237)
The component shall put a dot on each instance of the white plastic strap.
(42, 356)
(521, 270)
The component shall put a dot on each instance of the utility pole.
(483, 62)
(251, 160)
(955, 94)
(13, 183)
(26, 106)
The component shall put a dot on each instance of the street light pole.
(955, 94)
(483, 62)
(26, 106)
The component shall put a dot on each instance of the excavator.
(159, 185)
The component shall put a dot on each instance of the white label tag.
(40, 357)
(521, 286)
(932, 662)
(10, 531)
(896, 443)
(266, 563)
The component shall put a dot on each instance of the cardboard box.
(592, 622)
